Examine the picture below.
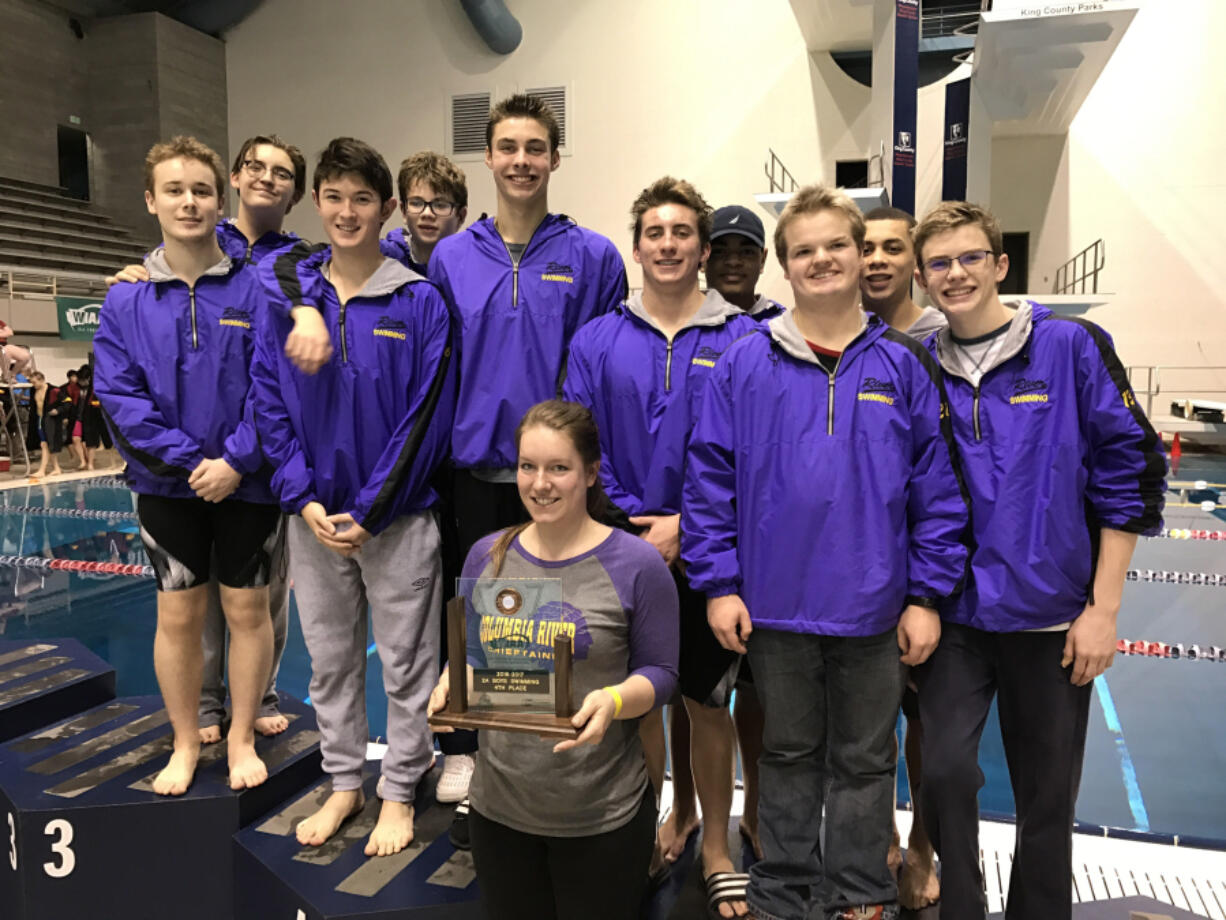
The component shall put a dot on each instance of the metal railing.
(1209, 383)
(948, 20)
(46, 284)
(778, 176)
(1082, 269)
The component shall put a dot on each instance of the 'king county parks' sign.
(78, 317)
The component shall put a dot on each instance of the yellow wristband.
(617, 700)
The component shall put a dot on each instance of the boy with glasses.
(1064, 472)
(434, 203)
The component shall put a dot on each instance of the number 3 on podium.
(60, 847)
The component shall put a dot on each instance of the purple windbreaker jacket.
(514, 325)
(364, 434)
(172, 370)
(643, 391)
(828, 502)
(1054, 448)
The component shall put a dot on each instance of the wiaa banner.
(78, 317)
(906, 89)
(957, 128)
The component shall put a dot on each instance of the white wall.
(701, 89)
(1142, 169)
(696, 88)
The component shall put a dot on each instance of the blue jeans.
(831, 703)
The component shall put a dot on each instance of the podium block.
(44, 681)
(86, 836)
(277, 877)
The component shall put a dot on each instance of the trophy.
(510, 646)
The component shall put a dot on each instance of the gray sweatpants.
(399, 573)
(216, 642)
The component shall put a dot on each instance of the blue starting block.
(86, 836)
(45, 681)
(277, 877)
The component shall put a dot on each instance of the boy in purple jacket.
(640, 369)
(825, 521)
(355, 446)
(193, 459)
(1064, 472)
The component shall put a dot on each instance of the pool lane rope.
(77, 565)
(1208, 579)
(1141, 648)
(89, 514)
(1185, 533)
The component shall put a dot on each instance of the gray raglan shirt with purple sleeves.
(627, 602)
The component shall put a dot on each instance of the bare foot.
(246, 769)
(271, 725)
(210, 734)
(394, 830)
(749, 834)
(57, 472)
(918, 885)
(894, 859)
(672, 839)
(176, 777)
(316, 829)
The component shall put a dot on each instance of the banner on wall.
(78, 317)
(957, 129)
(906, 90)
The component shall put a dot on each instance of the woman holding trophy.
(566, 829)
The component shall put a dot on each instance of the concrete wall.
(44, 79)
(132, 80)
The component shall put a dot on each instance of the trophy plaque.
(510, 646)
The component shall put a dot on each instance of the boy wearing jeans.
(1064, 471)
(825, 521)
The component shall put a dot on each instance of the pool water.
(1155, 750)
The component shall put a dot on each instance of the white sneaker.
(457, 772)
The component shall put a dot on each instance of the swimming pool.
(1155, 750)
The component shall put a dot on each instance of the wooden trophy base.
(529, 723)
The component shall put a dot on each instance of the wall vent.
(469, 114)
(558, 99)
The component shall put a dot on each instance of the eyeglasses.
(256, 170)
(440, 207)
(942, 264)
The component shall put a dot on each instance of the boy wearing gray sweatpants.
(399, 574)
(354, 448)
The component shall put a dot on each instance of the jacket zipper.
(515, 264)
(344, 342)
(191, 295)
(668, 367)
(830, 393)
(975, 411)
